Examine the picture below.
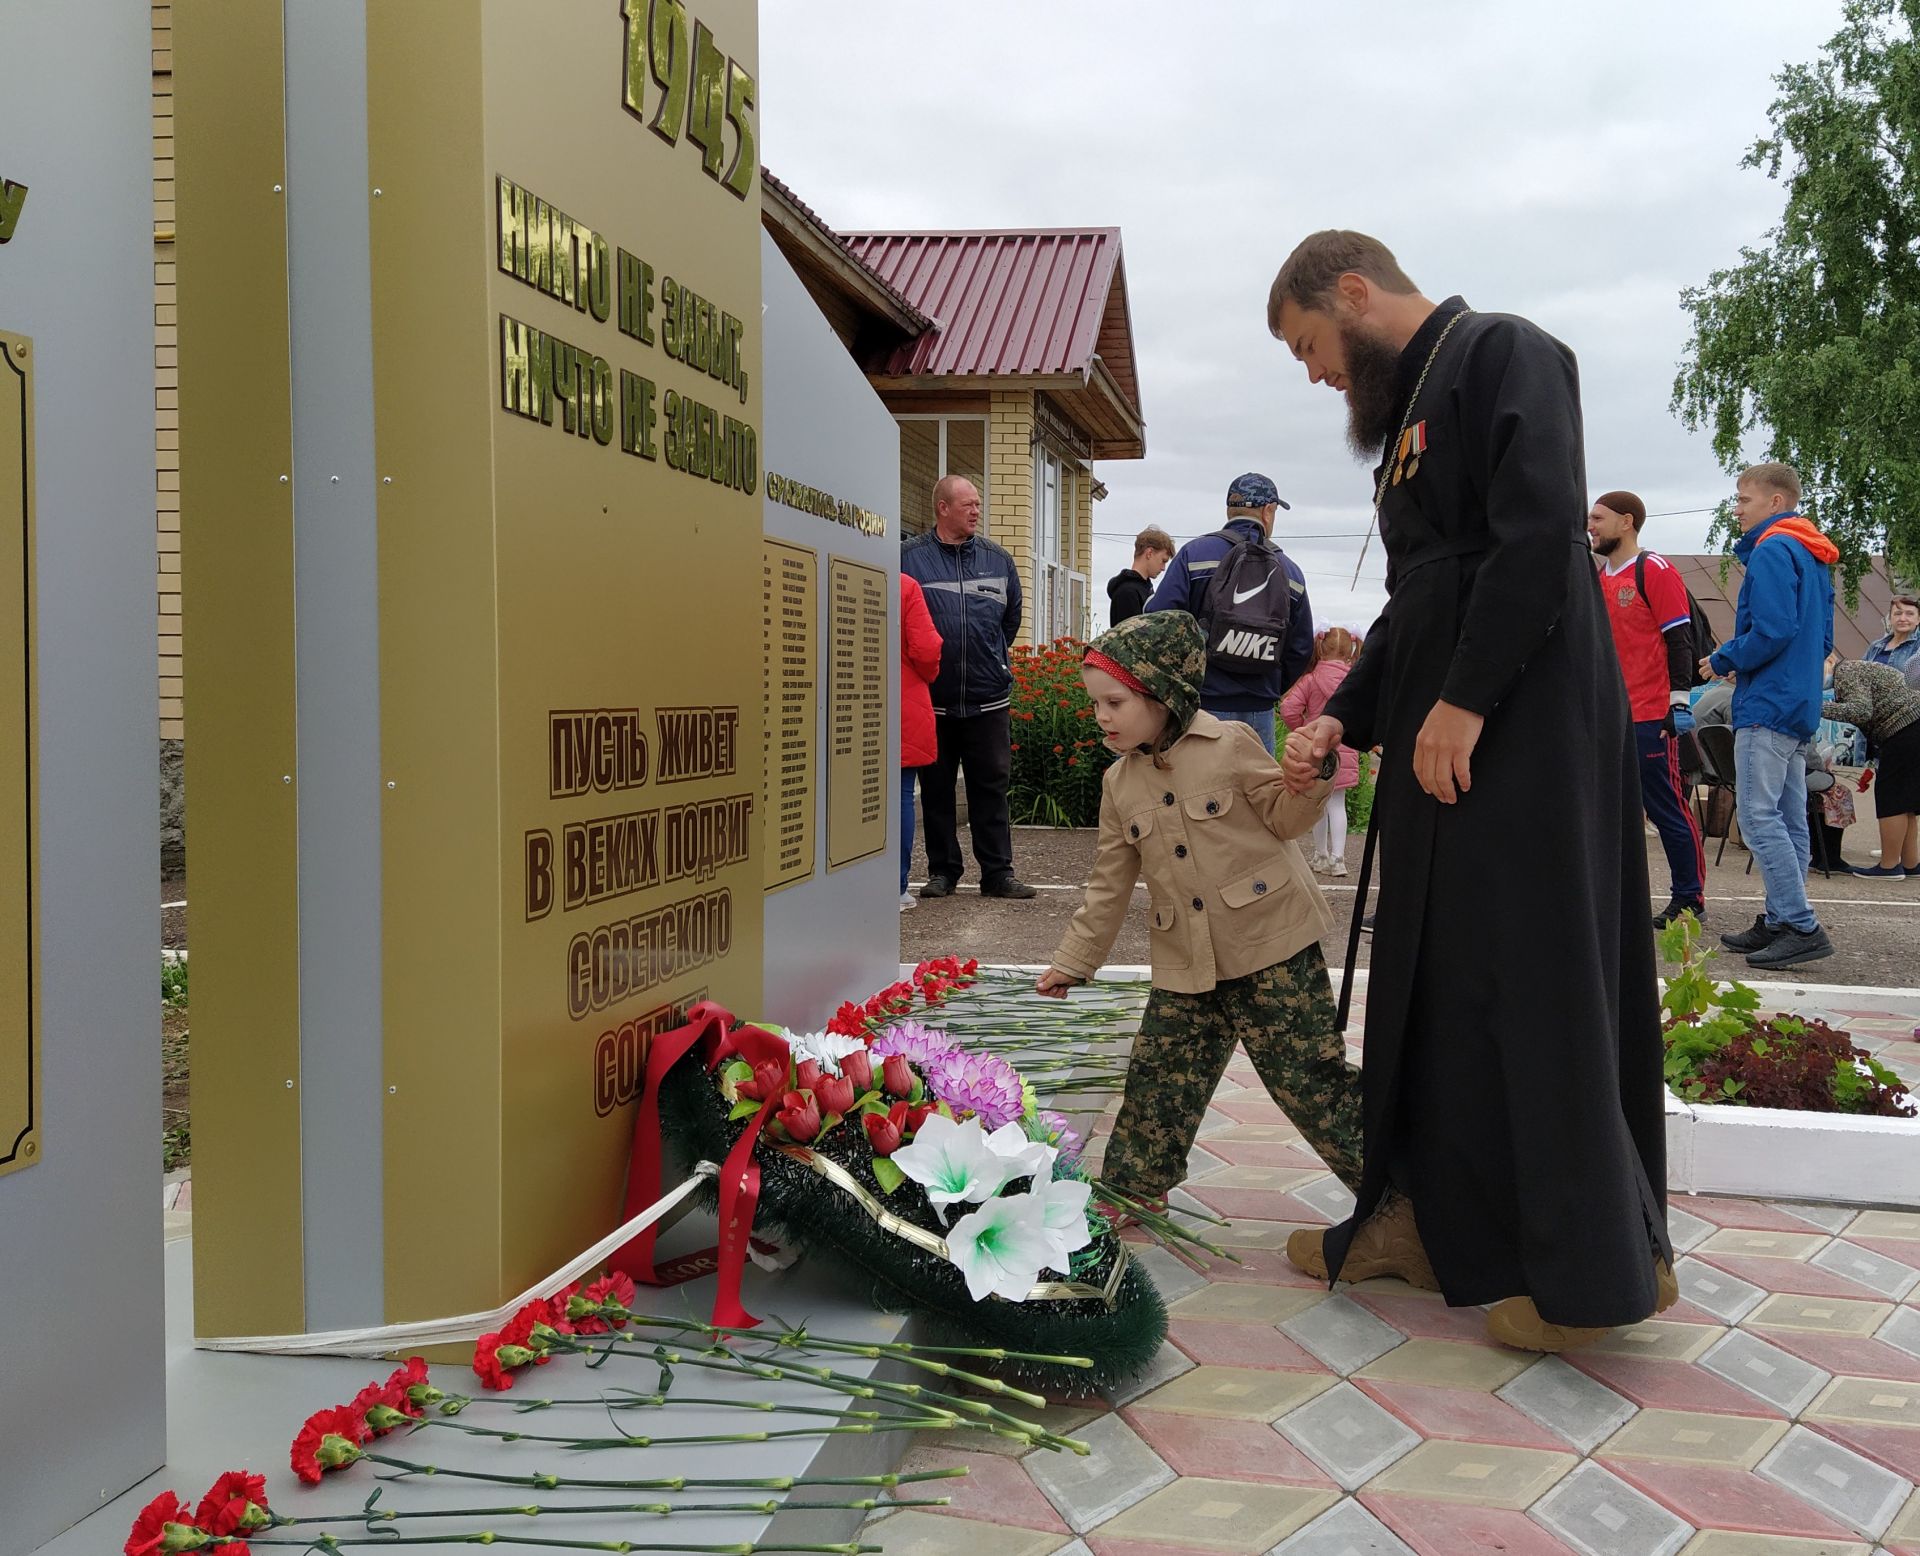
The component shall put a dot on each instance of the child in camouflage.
(1198, 806)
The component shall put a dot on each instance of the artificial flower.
(981, 1083)
(769, 1079)
(615, 1290)
(896, 1078)
(835, 1094)
(164, 1525)
(1034, 1157)
(807, 1073)
(1060, 1133)
(954, 1163)
(328, 1440)
(858, 1068)
(885, 1130)
(829, 1050)
(919, 1112)
(1001, 1247)
(915, 1041)
(1063, 1211)
(799, 1117)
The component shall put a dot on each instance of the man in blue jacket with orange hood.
(1782, 634)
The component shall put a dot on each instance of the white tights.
(1330, 831)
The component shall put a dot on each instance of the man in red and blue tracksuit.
(1652, 623)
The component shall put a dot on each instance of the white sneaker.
(1336, 867)
(907, 901)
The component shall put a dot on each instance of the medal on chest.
(1406, 458)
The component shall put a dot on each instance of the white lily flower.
(1001, 1247)
(1035, 1157)
(827, 1049)
(953, 1162)
(1063, 1205)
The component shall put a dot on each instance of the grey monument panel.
(80, 1229)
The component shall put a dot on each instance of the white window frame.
(1056, 547)
(940, 460)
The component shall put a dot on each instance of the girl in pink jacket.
(1334, 651)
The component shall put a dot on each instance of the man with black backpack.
(1660, 634)
(1250, 601)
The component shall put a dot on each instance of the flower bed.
(1059, 756)
(1722, 1051)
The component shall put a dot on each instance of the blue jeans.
(1259, 720)
(906, 824)
(1770, 788)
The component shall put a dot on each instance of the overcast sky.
(1579, 167)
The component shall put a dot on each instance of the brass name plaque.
(857, 712)
(790, 707)
(20, 1144)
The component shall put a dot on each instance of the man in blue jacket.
(973, 594)
(1782, 634)
(1244, 694)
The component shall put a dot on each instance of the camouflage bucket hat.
(1167, 654)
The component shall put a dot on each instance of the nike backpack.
(1245, 609)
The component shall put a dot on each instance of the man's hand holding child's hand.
(1306, 751)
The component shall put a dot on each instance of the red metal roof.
(1007, 302)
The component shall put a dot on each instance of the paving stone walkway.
(1774, 1412)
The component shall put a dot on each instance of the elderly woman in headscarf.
(1877, 700)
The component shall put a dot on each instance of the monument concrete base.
(229, 1411)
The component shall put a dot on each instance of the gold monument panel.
(567, 398)
(857, 712)
(789, 707)
(20, 1144)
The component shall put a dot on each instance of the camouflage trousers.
(1283, 1016)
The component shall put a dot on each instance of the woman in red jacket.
(919, 664)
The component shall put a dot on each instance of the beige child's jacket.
(1228, 892)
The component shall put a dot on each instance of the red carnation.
(849, 1020)
(800, 1117)
(858, 1068)
(329, 1440)
(412, 1377)
(164, 1525)
(834, 1094)
(895, 1077)
(236, 1503)
(496, 1357)
(385, 1407)
(616, 1290)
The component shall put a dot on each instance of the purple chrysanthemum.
(915, 1040)
(984, 1084)
(1060, 1134)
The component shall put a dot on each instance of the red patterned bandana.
(1119, 672)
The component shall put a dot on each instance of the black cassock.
(1513, 1072)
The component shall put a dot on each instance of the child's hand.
(1054, 983)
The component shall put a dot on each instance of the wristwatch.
(1331, 765)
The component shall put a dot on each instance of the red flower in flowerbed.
(1047, 786)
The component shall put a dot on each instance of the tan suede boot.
(1387, 1244)
(1517, 1322)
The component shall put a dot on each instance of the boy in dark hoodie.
(1782, 634)
(1129, 589)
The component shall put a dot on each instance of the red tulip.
(800, 1117)
(895, 1077)
(916, 1115)
(835, 1094)
(807, 1075)
(885, 1130)
(769, 1079)
(858, 1068)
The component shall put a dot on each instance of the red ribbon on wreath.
(711, 1026)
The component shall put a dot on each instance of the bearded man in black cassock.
(1514, 1098)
